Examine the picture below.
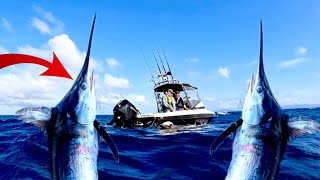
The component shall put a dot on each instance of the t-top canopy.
(173, 84)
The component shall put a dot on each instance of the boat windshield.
(192, 96)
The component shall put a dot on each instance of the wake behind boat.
(189, 110)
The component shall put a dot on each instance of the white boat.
(127, 115)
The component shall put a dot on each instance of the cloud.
(136, 98)
(208, 98)
(48, 24)
(21, 85)
(224, 72)
(252, 63)
(302, 50)
(26, 88)
(110, 99)
(193, 60)
(114, 82)
(223, 104)
(48, 16)
(42, 26)
(6, 24)
(65, 49)
(112, 62)
(298, 97)
(292, 62)
(3, 50)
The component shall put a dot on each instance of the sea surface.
(152, 153)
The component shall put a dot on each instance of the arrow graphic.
(54, 69)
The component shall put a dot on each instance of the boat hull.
(197, 117)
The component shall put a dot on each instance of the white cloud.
(42, 26)
(6, 24)
(26, 88)
(112, 62)
(65, 49)
(48, 24)
(223, 104)
(252, 63)
(302, 50)
(109, 99)
(136, 98)
(208, 98)
(114, 82)
(298, 97)
(3, 50)
(224, 72)
(292, 62)
(193, 60)
(23, 87)
(46, 15)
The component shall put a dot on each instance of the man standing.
(168, 102)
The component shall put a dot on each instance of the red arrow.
(54, 69)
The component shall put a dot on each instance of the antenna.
(167, 63)
(148, 66)
(122, 96)
(157, 65)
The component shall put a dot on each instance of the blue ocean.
(153, 153)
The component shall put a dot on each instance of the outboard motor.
(124, 114)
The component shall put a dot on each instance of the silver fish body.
(73, 149)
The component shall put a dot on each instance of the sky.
(213, 45)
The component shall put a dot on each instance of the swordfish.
(262, 133)
(72, 128)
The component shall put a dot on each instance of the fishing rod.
(157, 65)
(148, 66)
(165, 72)
(167, 63)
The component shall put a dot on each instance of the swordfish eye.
(259, 89)
(83, 86)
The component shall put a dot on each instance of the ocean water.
(152, 153)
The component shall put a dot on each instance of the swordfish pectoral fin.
(220, 139)
(38, 116)
(106, 138)
(300, 127)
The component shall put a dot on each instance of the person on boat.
(168, 102)
(179, 102)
